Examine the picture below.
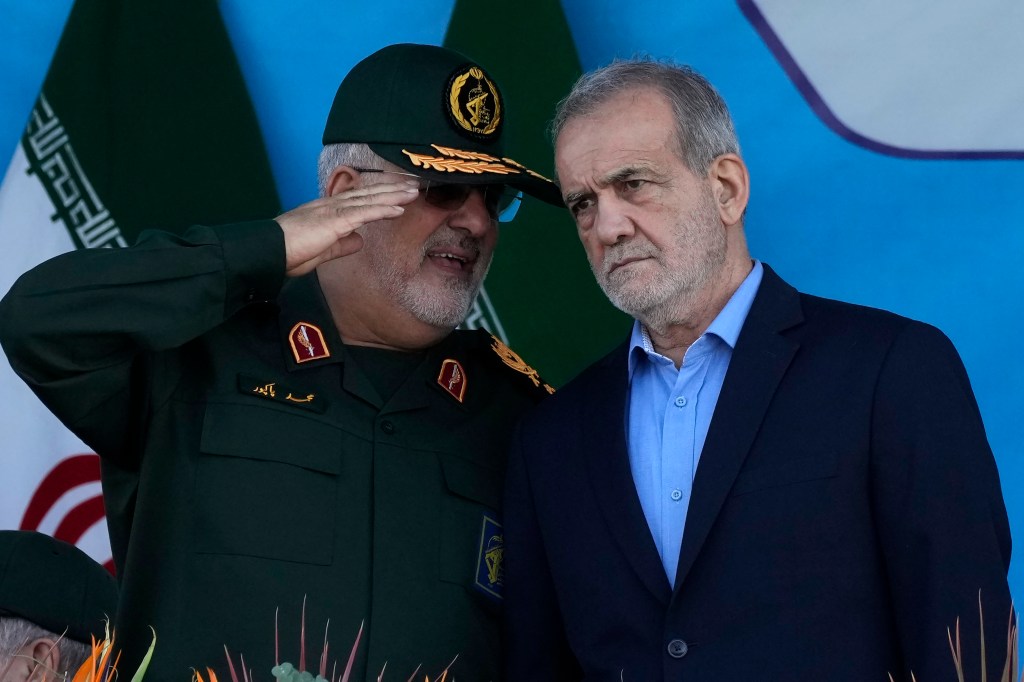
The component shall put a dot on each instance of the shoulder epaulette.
(511, 359)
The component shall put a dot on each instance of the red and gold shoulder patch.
(452, 378)
(307, 342)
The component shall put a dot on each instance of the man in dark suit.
(759, 484)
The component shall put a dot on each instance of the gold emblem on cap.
(474, 103)
(512, 359)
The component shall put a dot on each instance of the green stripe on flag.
(144, 121)
(540, 285)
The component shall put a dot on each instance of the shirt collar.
(726, 325)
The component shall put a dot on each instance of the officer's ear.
(341, 179)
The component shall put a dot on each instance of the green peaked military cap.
(432, 112)
(54, 585)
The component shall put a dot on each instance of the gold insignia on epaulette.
(512, 359)
(473, 101)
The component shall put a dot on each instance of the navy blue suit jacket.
(845, 512)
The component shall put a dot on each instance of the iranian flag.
(143, 122)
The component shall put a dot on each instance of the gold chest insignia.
(512, 359)
(474, 103)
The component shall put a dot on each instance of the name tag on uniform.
(272, 390)
(489, 566)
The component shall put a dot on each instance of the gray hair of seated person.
(704, 127)
(17, 632)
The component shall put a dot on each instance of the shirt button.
(676, 495)
(387, 427)
(677, 648)
(680, 401)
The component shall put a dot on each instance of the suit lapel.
(604, 450)
(758, 364)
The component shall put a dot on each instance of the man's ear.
(341, 179)
(37, 660)
(730, 184)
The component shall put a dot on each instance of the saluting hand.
(324, 229)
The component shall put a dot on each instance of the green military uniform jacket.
(242, 476)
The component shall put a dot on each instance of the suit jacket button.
(677, 648)
(387, 427)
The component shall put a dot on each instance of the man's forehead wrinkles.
(625, 171)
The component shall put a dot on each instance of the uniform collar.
(302, 305)
(309, 337)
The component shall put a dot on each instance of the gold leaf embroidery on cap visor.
(449, 165)
(463, 161)
(522, 167)
(465, 154)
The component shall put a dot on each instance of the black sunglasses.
(502, 201)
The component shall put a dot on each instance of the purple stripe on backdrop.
(818, 105)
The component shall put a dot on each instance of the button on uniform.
(677, 648)
(680, 401)
(387, 427)
(676, 495)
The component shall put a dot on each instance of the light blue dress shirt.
(669, 414)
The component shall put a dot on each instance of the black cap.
(433, 112)
(55, 585)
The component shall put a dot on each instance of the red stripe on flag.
(69, 473)
(80, 519)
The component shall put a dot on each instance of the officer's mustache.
(450, 239)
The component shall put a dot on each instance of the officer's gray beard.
(446, 305)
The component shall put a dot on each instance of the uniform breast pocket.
(472, 540)
(266, 483)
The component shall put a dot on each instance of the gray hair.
(17, 632)
(355, 154)
(704, 128)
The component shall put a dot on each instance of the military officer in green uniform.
(284, 409)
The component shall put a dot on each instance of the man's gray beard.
(448, 310)
(670, 298)
(444, 309)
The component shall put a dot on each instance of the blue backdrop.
(931, 232)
